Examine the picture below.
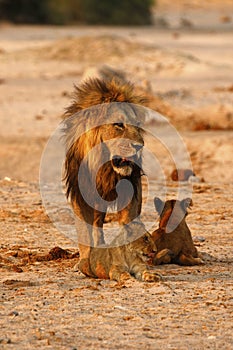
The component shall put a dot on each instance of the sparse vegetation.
(115, 12)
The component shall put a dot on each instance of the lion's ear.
(159, 204)
(186, 203)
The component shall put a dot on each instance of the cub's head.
(171, 212)
(136, 240)
(144, 247)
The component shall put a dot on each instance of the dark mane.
(95, 91)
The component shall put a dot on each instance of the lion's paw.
(151, 276)
(163, 257)
(125, 276)
(84, 267)
(199, 261)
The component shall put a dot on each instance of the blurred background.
(119, 12)
(178, 54)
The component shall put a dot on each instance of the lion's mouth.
(148, 257)
(120, 162)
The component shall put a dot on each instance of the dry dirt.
(187, 72)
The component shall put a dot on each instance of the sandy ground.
(186, 70)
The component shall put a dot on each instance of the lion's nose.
(137, 146)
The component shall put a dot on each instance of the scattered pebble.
(6, 178)
(225, 19)
(182, 174)
(211, 337)
(199, 239)
(193, 178)
(39, 117)
(14, 313)
(119, 307)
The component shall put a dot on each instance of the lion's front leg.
(143, 273)
(119, 273)
(150, 276)
(132, 210)
(97, 231)
(163, 257)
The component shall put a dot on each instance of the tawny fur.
(96, 91)
(116, 121)
(122, 262)
(173, 238)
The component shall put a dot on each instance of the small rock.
(194, 179)
(211, 337)
(6, 178)
(182, 174)
(199, 239)
(17, 269)
(225, 19)
(5, 341)
(119, 307)
(14, 313)
(39, 117)
(76, 268)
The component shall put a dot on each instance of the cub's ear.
(186, 203)
(159, 204)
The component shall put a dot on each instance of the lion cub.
(173, 238)
(127, 256)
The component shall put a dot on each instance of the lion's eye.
(146, 239)
(119, 125)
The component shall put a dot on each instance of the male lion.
(104, 144)
(173, 238)
(120, 262)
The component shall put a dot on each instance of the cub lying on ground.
(126, 256)
(173, 238)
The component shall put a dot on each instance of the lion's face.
(144, 247)
(124, 142)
